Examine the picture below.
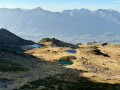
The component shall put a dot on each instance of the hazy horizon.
(27, 9)
(60, 5)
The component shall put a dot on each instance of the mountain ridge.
(8, 38)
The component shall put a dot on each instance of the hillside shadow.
(70, 80)
(64, 82)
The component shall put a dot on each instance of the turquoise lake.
(64, 62)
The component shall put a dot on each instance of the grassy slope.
(7, 66)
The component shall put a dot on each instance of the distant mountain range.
(38, 23)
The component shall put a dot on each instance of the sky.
(59, 5)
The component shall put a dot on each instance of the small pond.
(64, 62)
(35, 46)
(70, 51)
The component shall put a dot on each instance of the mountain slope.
(9, 38)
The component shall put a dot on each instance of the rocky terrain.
(100, 62)
(35, 69)
(94, 65)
